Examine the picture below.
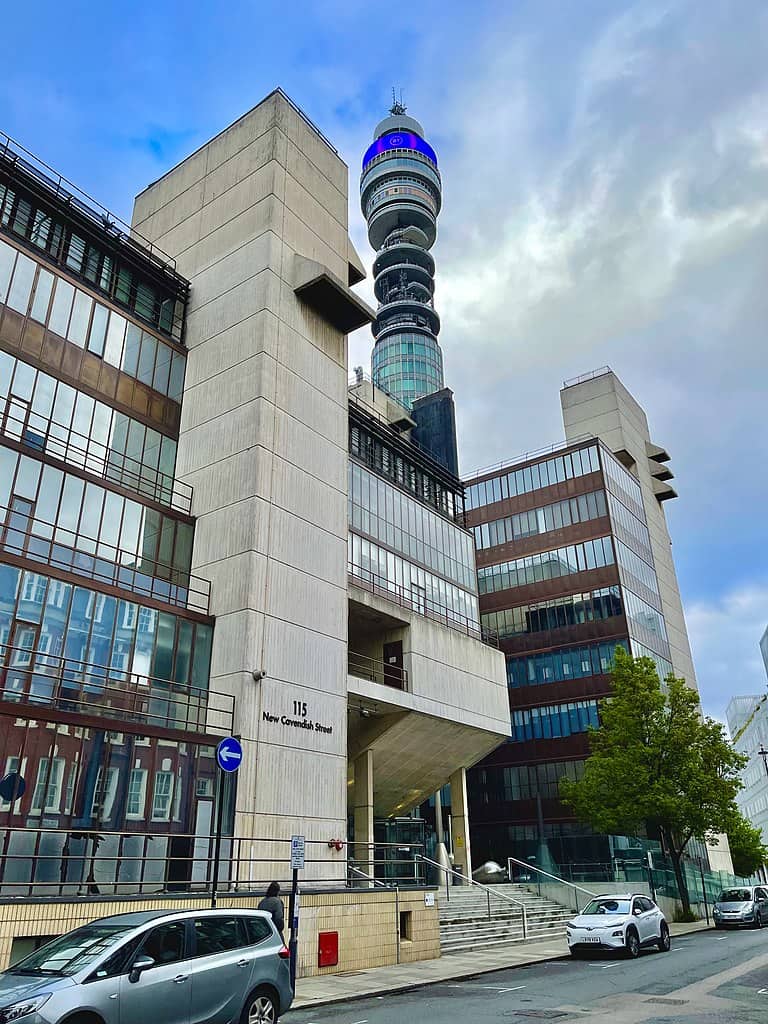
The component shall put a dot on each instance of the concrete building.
(574, 559)
(599, 404)
(183, 555)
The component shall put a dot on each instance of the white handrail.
(485, 888)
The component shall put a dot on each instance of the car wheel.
(633, 944)
(664, 940)
(261, 1008)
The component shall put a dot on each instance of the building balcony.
(39, 680)
(403, 213)
(388, 673)
(406, 312)
(27, 538)
(400, 250)
(45, 437)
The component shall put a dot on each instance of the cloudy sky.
(605, 169)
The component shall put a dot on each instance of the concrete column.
(462, 851)
(364, 814)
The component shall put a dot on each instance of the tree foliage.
(656, 764)
(747, 849)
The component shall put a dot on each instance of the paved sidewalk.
(339, 988)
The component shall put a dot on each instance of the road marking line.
(361, 1021)
(762, 991)
(515, 989)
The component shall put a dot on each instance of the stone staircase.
(465, 926)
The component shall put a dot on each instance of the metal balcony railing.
(59, 441)
(377, 671)
(36, 678)
(28, 536)
(417, 601)
(51, 863)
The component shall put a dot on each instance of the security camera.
(258, 674)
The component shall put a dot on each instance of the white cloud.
(725, 634)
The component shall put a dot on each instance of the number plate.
(591, 938)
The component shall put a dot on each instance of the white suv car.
(626, 922)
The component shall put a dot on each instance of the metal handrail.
(377, 671)
(38, 433)
(370, 878)
(49, 680)
(556, 878)
(487, 889)
(551, 449)
(111, 565)
(419, 603)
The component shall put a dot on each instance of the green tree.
(656, 765)
(747, 849)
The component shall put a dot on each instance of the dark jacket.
(274, 906)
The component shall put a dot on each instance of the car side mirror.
(637, 911)
(141, 963)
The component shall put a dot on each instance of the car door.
(163, 991)
(761, 899)
(221, 968)
(645, 917)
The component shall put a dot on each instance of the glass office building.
(105, 636)
(566, 575)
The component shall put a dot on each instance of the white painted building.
(748, 725)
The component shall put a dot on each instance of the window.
(104, 794)
(117, 964)
(257, 929)
(217, 935)
(166, 944)
(12, 765)
(47, 795)
(137, 793)
(163, 795)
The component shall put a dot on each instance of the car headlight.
(619, 933)
(18, 1010)
(748, 911)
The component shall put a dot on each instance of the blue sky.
(605, 172)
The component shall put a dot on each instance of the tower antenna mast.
(398, 107)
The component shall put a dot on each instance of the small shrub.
(685, 917)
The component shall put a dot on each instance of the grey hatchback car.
(211, 966)
(742, 905)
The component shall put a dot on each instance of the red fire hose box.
(327, 949)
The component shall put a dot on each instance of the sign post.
(229, 756)
(298, 845)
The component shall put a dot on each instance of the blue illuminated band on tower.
(399, 140)
(400, 196)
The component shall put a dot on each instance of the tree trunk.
(682, 887)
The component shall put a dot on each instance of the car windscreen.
(71, 952)
(607, 906)
(735, 896)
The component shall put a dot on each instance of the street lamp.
(764, 754)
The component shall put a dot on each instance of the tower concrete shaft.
(400, 195)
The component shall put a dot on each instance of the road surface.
(708, 977)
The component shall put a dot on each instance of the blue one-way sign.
(229, 754)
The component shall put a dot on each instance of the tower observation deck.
(400, 196)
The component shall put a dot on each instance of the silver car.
(742, 905)
(195, 967)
